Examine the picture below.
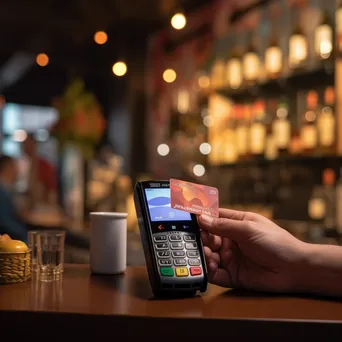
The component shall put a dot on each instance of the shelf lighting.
(100, 37)
(178, 21)
(42, 59)
(119, 68)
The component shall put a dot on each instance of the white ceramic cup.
(108, 242)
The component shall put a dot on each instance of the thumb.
(224, 227)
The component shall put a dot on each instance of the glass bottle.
(251, 63)
(282, 128)
(257, 132)
(234, 68)
(273, 58)
(298, 48)
(309, 132)
(324, 38)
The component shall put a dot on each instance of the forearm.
(320, 271)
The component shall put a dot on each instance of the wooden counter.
(101, 307)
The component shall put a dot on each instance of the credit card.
(194, 198)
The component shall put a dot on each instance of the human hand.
(246, 250)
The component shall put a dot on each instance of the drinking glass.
(32, 243)
(50, 246)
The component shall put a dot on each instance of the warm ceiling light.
(169, 75)
(119, 69)
(100, 37)
(178, 21)
(42, 59)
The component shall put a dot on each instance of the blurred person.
(42, 182)
(10, 222)
(248, 251)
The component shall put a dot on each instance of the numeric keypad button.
(162, 246)
(192, 254)
(175, 237)
(194, 262)
(164, 262)
(160, 238)
(180, 262)
(164, 254)
(189, 238)
(178, 254)
(177, 245)
(191, 245)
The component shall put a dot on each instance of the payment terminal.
(171, 242)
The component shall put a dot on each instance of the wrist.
(319, 270)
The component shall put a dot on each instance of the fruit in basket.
(4, 237)
(8, 245)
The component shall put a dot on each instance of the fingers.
(232, 214)
(218, 276)
(211, 256)
(210, 240)
(229, 228)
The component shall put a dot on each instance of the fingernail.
(206, 219)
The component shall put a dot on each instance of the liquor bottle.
(309, 133)
(329, 179)
(282, 128)
(317, 214)
(257, 132)
(218, 74)
(234, 69)
(338, 19)
(324, 38)
(298, 48)
(271, 151)
(339, 204)
(230, 152)
(241, 132)
(327, 123)
(251, 63)
(273, 59)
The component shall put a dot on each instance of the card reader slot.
(167, 286)
(182, 286)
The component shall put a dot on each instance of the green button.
(166, 271)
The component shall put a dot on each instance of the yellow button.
(182, 272)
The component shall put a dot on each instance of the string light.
(199, 170)
(42, 59)
(178, 21)
(119, 68)
(169, 75)
(100, 37)
(163, 150)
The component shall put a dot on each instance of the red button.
(194, 271)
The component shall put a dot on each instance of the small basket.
(15, 267)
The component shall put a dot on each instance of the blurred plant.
(81, 121)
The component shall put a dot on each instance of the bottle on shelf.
(309, 133)
(329, 179)
(339, 204)
(317, 214)
(324, 37)
(338, 21)
(274, 58)
(298, 48)
(327, 123)
(241, 133)
(282, 128)
(251, 63)
(234, 68)
(230, 152)
(271, 151)
(257, 132)
(217, 74)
